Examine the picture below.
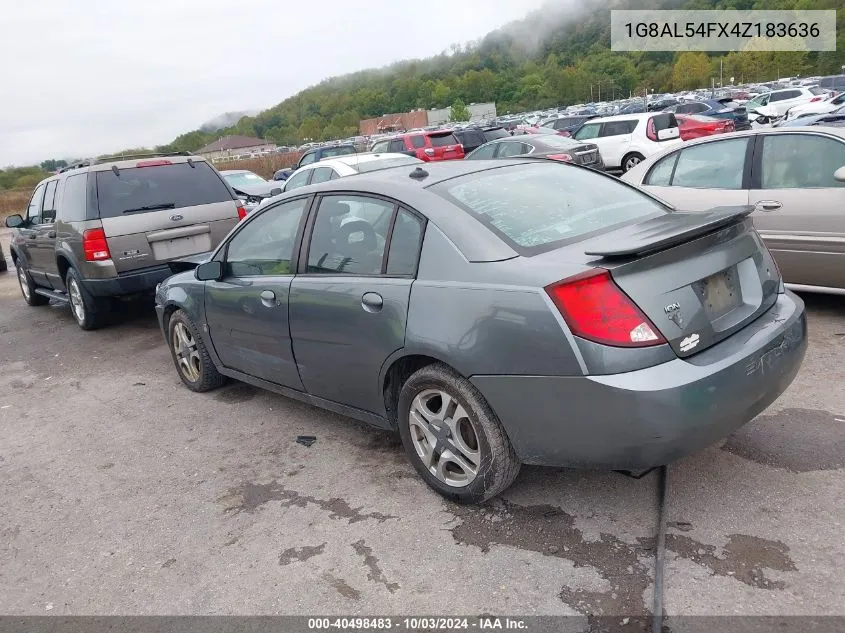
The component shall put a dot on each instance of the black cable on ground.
(660, 550)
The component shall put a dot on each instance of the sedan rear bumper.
(652, 416)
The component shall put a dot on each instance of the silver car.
(495, 313)
(794, 179)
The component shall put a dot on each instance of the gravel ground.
(121, 492)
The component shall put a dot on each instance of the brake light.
(815, 99)
(596, 309)
(152, 163)
(95, 245)
(241, 213)
(649, 131)
(564, 157)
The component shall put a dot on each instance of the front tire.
(88, 312)
(28, 287)
(453, 438)
(631, 160)
(190, 355)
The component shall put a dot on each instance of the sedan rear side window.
(534, 207)
(717, 165)
(143, 189)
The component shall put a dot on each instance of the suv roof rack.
(110, 159)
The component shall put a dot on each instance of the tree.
(692, 70)
(460, 112)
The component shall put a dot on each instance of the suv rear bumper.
(128, 283)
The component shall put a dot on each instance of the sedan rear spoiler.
(663, 232)
(189, 263)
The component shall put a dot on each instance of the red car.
(695, 126)
(436, 145)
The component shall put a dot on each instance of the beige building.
(232, 146)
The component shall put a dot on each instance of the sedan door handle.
(268, 298)
(372, 302)
(768, 205)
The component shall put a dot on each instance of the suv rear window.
(142, 189)
(337, 151)
(491, 135)
(535, 208)
(439, 140)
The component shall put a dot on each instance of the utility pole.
(721, 83)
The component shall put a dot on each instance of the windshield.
(245, 178)
(535, 207)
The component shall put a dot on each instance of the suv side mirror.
(14, 221)
(209, 271)
(839, 174)
(275, 191)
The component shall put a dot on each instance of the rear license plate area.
(720, 293)
(181, 246)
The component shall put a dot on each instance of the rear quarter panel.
(484, 318)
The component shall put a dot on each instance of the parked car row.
(437, 297)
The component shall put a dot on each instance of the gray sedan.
(794, 178)
(548, 145)
(495, 313)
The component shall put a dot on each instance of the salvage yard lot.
(125, 493)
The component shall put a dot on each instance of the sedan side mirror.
(209, 271)
(14, 221)
(275, 191)
(839, 174)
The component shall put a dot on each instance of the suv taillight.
(241, 213)
(649, 130)
(596, 309)
(95, 245)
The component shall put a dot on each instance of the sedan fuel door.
(247, 308)
(702, 176)
(349, 300)
(801, 206)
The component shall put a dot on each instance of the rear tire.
(453, 438)
(89, 312)
(631, 160)
(28, 287)
(190, 355)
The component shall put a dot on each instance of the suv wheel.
(453, 437)
(28, 288)
(88, 313)
(190, 355)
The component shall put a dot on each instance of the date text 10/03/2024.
(417, 623)
(722, 29)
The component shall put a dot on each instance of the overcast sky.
(91, 76)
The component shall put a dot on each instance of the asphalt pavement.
(121, 492)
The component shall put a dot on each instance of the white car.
(341, 167)
(824, 106)
(626, 139)
(775, 104)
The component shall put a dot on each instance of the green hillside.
(558, 55)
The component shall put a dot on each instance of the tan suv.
(97, 231)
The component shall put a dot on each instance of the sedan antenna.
(418, 174)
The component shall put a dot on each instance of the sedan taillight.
(241, 213)
(567, 158)
(596, 309)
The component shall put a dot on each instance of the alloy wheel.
(444, 437)
(187, 355)
(75, 296)
(24, 282)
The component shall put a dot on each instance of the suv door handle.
(372, 302)
(768, 205)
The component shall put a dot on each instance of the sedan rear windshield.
(155, 188)
(535, 208)
(439, 140)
